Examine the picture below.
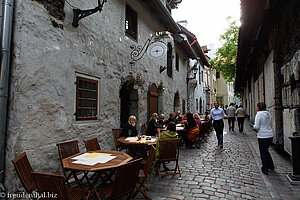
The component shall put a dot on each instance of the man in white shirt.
(217, 114)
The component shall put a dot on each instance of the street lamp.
(194, 70)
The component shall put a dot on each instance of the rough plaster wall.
(45, 60)
(290, 124)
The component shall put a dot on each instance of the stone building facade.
(268, 63)
(54, 64)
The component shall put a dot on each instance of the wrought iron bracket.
(162, 68)
(78, 14)
(139, 51)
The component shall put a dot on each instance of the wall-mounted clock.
(156, 50)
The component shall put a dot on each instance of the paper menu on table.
(131, 139)
(93, 155)
(82, 156)
(93, 158)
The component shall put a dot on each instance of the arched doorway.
(129, 103)
(153, 100)
(176, 102)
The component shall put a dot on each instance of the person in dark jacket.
(192, 130)
(162, 122)
(153, 125)
(129, 129)
(171, 118)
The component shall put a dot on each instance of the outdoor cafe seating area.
(108, 174)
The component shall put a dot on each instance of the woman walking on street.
(265, 135)
(217, 114)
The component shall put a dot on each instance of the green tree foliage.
(225, 60)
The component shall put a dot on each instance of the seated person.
(178, 118)
(153, 125)
(171, 118)
(129, 129)
(206, 117)
(192, 131)
(197, 119)
(170, 133)
(161, 121)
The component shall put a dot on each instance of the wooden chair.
(168, 151)
(116, 133)
(144, 128)
(144, 175)
(24, 171)
(92, 144)
(124, 183)
(66, 149)
(55, 184)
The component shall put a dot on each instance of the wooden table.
(121, 159)
(138, 149)
(142, 142)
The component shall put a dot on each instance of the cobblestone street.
(231, 173)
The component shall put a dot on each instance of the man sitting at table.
(129, 129)
(170, 133)
(171, 118)
(178, 118)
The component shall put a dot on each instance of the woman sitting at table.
(129, 129)
(197, 119)
(192, 131)
(170, 133)
(153, 125)
(161, 121)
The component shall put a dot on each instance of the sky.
(207, 18)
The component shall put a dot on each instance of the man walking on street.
(240, 114)
(231, 116)
(217, 114)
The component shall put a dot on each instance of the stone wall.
(291, 99)
(45, 61)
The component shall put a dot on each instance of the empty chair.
(116, 133)
(24, 171)
(92, 144)
(169, 151)
(66, 149)
(55, 185)
(144, 174)
(124, 182)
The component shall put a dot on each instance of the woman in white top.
(265, 135)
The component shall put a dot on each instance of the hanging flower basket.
(136, 82)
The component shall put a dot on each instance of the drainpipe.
(6, 32)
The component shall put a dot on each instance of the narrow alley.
(231, 173)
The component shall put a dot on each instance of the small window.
(131, 23)
(197, 105)
(86, 99)
(177, 62)
(202, 78)
(169, 61)
(218, 75)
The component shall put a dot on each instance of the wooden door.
(153, 100)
